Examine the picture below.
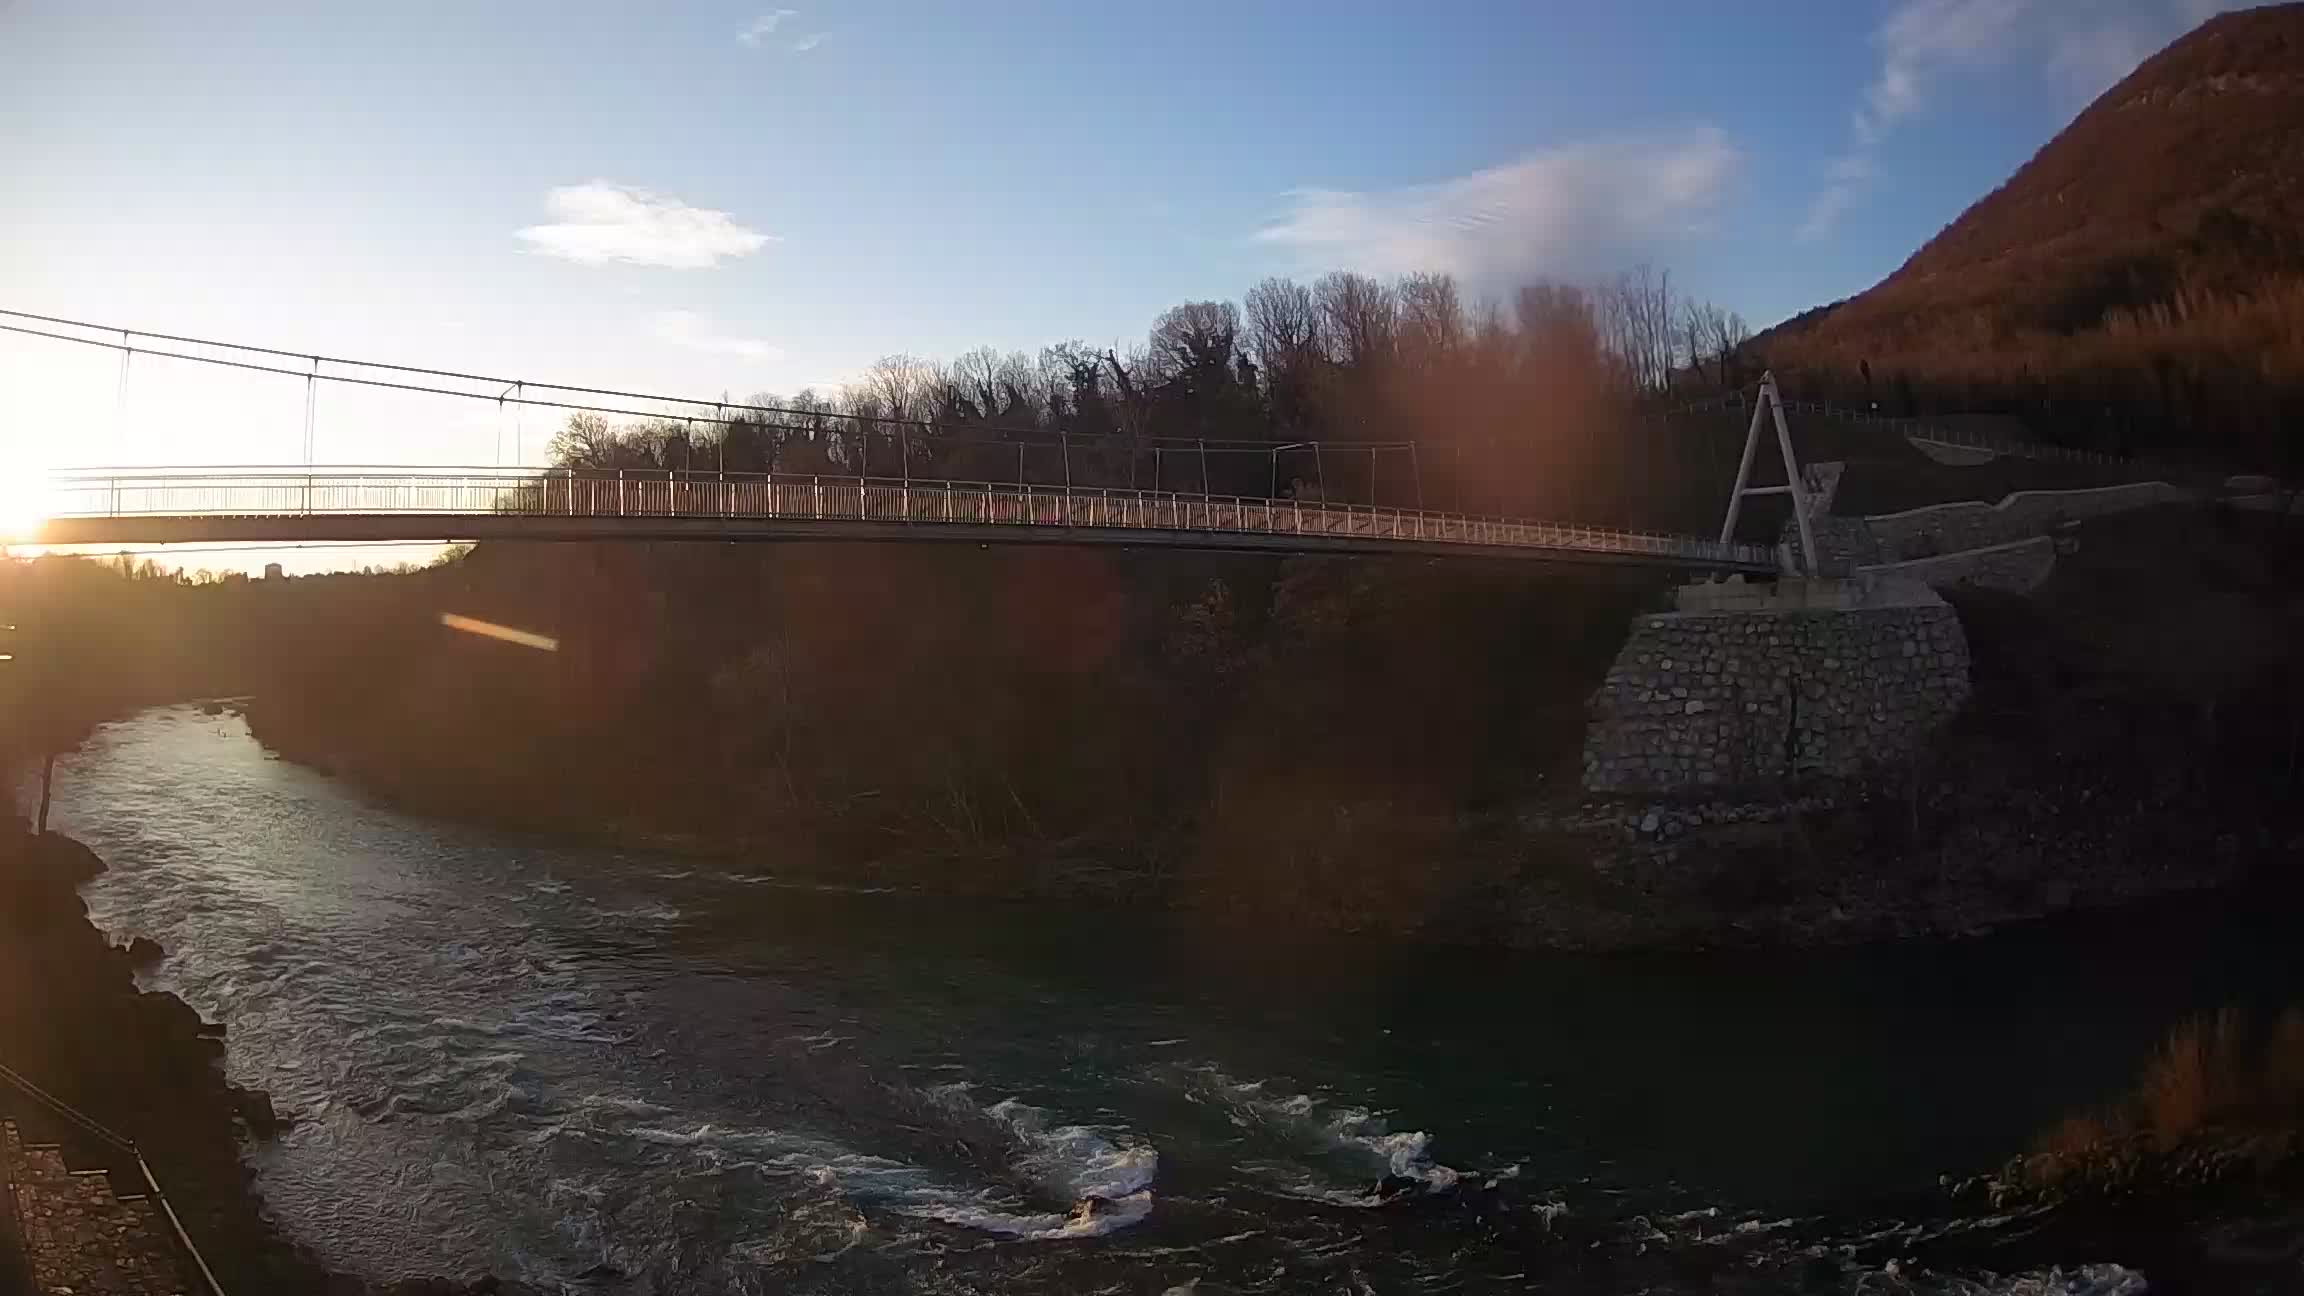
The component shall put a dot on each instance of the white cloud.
(1827, 207)
(1923, 36)
(764, 26)
(697, 332)
(1562, 211)
(757, 32)
(597, 223)
(1923, 40)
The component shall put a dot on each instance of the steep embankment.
(142, 1063)
(1010, 719)
(1344, 745)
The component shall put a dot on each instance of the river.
(632, 1073)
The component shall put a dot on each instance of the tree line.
(1413, 392)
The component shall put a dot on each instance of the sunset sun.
(27, 499)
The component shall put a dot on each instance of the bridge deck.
(287, 505)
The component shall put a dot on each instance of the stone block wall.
(1822, 482)
(79, 1237)
(1843, 544)
(1703, 702)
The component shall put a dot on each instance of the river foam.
(1345, 1135)
(1058, 1179)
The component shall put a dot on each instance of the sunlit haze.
(735, 199)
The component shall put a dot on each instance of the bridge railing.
(275, 492)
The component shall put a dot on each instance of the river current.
(620, 1072)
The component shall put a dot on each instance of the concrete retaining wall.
(1949, 528)
(1699, 701)
(1951, 455)
(2016, 568)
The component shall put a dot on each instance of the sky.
(718, 197)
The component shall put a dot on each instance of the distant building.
(272, 572)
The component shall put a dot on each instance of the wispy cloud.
(1923, 36)
(1562, 211)
(1919, 39)
(2085, 48)
(764, 26)
(697, 332)
(757, 32)
(1827, 207)
(597, 223)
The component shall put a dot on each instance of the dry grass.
(2223, 1094)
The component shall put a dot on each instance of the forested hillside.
(2138, 285)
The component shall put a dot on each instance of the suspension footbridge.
(860, 500)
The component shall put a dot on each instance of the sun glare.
(27, 499)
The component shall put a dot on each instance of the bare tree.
(1638, 318)
(1730, 334)
(586, 441)
(1198, 338)
(1359, 319)
(904, 387)
(999, 386)
(1701, 324)
(810, 423)
(1433, 324)
(975, 378)
(1283, 329)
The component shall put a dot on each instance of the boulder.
(255, 1109)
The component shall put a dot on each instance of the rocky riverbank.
(1872, 861)
(143, 1063)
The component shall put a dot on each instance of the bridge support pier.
(1746, 686)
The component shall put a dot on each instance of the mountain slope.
(2155, 244)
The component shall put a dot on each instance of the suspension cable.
(995, 433)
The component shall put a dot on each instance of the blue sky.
(751, 197)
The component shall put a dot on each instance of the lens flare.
(524, 638)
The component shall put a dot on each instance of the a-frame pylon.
(1770, 403)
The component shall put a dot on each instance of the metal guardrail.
(1929, 430)
(298, 492)
(122, 1143)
